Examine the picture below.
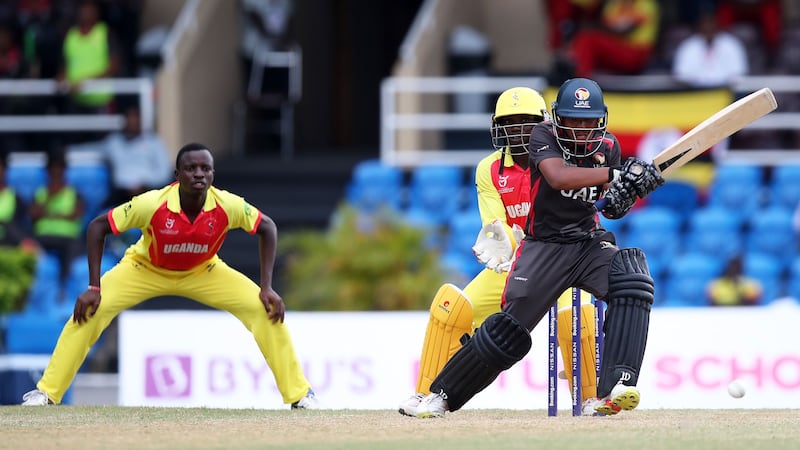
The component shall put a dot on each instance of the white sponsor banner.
(368, 360)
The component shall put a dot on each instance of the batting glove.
(641, 175)
(621, 197)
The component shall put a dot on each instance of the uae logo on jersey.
(600, 158)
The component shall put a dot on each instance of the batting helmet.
(517, 110)
(579, 98)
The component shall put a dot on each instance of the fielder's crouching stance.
(573, 161)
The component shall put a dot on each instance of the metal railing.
(142, 87)
(394, 121)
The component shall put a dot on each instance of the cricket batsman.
(503, 187)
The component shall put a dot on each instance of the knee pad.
(497, 345)
(629, 299)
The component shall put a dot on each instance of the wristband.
(94, 288)
(613, 174)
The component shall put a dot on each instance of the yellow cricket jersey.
(169, 240)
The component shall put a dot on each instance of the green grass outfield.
(92, 427)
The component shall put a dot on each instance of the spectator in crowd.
(711, 56)
(13, 230)
(765, 14)
(733, 288)
(56, 214)
(41, 30)
(11, 62)
(124, 17)
(567, 16)
(622, 45)
(139, 160)
(90, 51)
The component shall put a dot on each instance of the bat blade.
(711, 131)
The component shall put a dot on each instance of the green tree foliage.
(17, 268)
(383, 267)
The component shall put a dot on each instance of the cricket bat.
(711, 131)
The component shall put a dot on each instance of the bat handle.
(600, 204)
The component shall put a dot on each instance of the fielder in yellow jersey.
(503, 188)
(183, 226)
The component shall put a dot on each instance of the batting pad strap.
(497, 345)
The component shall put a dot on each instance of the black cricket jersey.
(565, 216)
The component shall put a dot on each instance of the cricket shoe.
(36, 398)
(589, 407)
(621, 398)
(433, 405)
(309, 401)
(408, 407)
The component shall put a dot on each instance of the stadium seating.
(784, 186)
(92, 181)
(793, 284)
(25, 179)
(689, 275)
(656, 230)
(457, 255)
(435, 193)
(43, 294)
(713, 230)
(681, 197)
(375, 185)
(737, 188)
(768, 270)
(770, 231)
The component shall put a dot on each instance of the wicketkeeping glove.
(642, 176)
(621, 196)
(493, 246)
(518, 234)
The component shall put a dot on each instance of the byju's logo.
(168, 376)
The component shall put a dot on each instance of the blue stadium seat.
(436, 193)
(768, 270)
(457, 255)
(78, 277)
(375, 185)
(463, 229)
(679, 196)
(793, 284)
(656, 230)
(32, 333)
(617, 226)
(93, 183)
(738, 188)
(713, 230)
(25, 179)
(784, 186)
(43, 294)
(689, 275)
(771, 232)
